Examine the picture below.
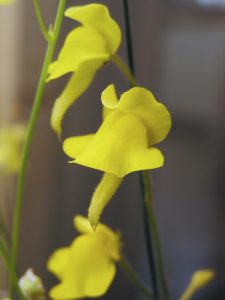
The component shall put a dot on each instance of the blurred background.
(179, 52)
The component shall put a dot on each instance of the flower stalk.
(152, 224)
(28, 139)
(41, 23)
(122, 66)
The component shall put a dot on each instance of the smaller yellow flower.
(85, 50)
(87, 267)
(11, 139)
(198, 280)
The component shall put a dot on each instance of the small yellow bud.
(199, 279)
(202, 277)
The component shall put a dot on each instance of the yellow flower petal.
(87, 267)
(83, 44)
(153, 114)
(88, 273)
(109, 100)
(109, 97)
(141, 102)
(97, 16)
(58, 261)
(109, 238)
(82, 224)
(119, 147)
(73, 146)
(76, 86)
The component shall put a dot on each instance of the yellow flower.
(198, 280)
(124, 143)
(85, 50)
(11, 139)
(87, 267)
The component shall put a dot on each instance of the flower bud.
(199, 279)
(32, 286)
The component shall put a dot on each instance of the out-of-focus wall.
(192, 82)
(11, 17)
(11, 20)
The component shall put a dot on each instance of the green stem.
(146, 194)
(134, 279)
(6, 259)
(30, 130)
(3, 230)
(40, 21)
(122, 66)
(146, 182)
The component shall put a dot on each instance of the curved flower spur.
(124, 143)
(85, 50)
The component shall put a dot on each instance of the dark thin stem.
(128, 36)
(152, 225)
(147, 197)
(148, 237)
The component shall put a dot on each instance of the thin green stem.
(3, 230)
(146, 194)
(128, 36)
(6, 259)
(146, 183)
(30, 131)
(122, 66)
(40, 21)
(134, 278)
